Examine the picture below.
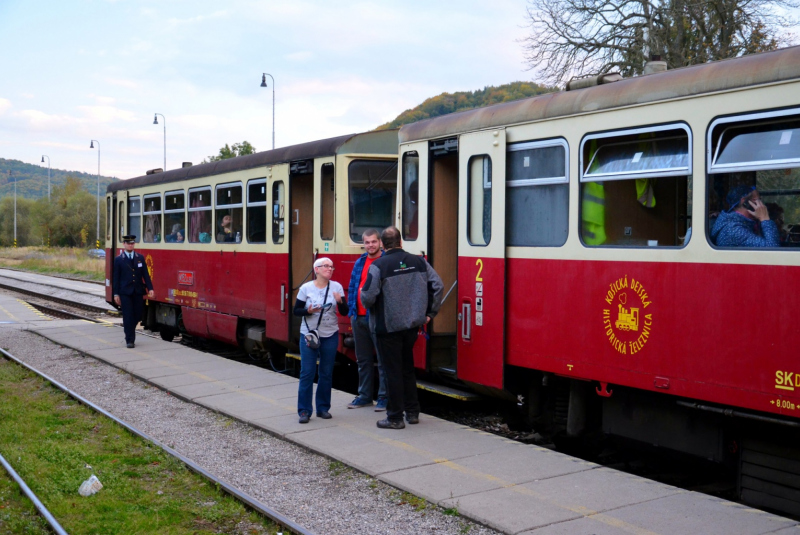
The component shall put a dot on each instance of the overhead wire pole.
(15, 207)
(264, 84)
(155, 121)
(91, 146)
(48, 175)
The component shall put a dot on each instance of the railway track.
(243, 497)
(46, 297)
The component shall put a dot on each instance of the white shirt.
(314, 296)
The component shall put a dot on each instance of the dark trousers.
(397, 356)
(132, 311)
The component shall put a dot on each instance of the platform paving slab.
(287, 426)
(231, 403)
(458, 443)
(234, 376)
(690, 513)
(524, 463)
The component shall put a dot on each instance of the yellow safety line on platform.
(10, 315)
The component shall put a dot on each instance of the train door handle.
(466, 325)
(283, 300)
(296, 220)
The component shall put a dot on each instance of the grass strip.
(17, 513)
(73, 262)
(55, 443)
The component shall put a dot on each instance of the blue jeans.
(326, 353)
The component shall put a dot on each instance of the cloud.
(300, 56)
(107, 114)
(121, 82)
(5, 104)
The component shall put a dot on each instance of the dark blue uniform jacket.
(131, 276)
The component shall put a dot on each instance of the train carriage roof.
(383, 142)
(755, 69)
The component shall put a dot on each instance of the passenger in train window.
(359, 319)
(776, 214)
(319, 338)
(172, 237)
(746, 223)
(224, 230)
(402, 293)
(179, 236)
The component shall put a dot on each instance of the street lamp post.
(91, 146)
(155, 121)
(48, 175)
(15, 207)
(264, 84)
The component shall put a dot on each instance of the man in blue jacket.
(746, 223)
(402, 292)
(130, 280)
(359, 319)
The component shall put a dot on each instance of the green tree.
(24, 230)
(71, 216)
(238, 149)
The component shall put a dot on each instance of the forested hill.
(32, 179)
(466, 100)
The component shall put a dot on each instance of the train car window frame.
(669, 235)
(152, 218)
(237, 218)
(278, 212)
(391, 194)
(109, 218)
(258, 210)
(136, 230)
(776, 179)
(199, 236)
(554, 186)
(121, 220)
(170, 221)
(479, 201)
(327, 203)
(410, 198)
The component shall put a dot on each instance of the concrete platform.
(511, 487)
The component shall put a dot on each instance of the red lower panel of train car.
(717, 332)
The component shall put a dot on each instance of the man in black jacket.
(403, 292)
(130, 279)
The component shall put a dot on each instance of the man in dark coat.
(130, 280)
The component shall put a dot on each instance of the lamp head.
(263, 80)
(42, 159)
(155, 119)
(91, 144)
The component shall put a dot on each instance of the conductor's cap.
(130, 238)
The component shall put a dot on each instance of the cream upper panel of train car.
(206, 213)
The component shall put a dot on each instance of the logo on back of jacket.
(403, 267)
(625, 319)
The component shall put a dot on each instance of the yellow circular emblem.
(148, 261)
(626, 320)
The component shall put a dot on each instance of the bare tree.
(578, 37)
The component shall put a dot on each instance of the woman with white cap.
(319, 337)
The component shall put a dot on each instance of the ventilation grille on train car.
(444, 146)
(301, 167)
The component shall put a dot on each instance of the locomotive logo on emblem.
(149, 263)
(626, 321)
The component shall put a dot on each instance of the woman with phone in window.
(317, 303)
(746, 223)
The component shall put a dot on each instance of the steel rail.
(60, 314)
(88, 308)
(233, 491)
(32, 497)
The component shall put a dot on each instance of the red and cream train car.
(236, 282)
(575, 227)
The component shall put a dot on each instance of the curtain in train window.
(109, 218)
(755, 153)
(410, 196)
(175, 217)
(327, 202)
(200, 215)
(152, 219)
(278, 212)
(229, 213)
(635, 187)
(257, 211)
(135, 217)
(479, 194)
(537, 194)
(373, 190)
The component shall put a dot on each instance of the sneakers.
(359, 402)
(130, 345)
(386, 423)
(412, 418)
(304, 417)
(325, 415)
(380, 406)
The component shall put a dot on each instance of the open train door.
(277, 289)
(481, 257)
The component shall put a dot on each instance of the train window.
(278, 212)
(635, 187)
(754, 158)
(135, 217)
(410, 196)
(257, 211)
(121, 216)
(229, 213)
(373, 190)
(479, 193)
(200, 215)
(327, 202)
(109, 218)
(152, 219)
(175, 217)
(537, 194)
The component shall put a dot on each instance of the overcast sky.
(77, 70)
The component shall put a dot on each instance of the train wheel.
(167, 336)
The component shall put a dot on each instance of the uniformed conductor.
(130, 279)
